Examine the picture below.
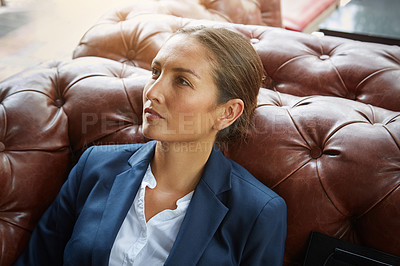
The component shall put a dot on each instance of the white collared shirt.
(141, 243)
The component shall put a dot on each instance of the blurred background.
(33, 31)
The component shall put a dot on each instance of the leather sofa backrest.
(295, 63)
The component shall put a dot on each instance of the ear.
(228, 113)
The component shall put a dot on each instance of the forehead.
(184, 49)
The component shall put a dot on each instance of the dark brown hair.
(237, 72)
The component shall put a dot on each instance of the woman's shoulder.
(105, 161)
(102, 165)
(250, 200)
(113, 149)
(243, 181)
(103, 154)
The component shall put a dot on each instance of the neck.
(178, 166)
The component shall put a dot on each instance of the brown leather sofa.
(326, 136)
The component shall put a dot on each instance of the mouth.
(151, 114)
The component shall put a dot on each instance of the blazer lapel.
(119, 201)
(205, 212)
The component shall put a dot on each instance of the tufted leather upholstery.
(335, 67)
(48, 115)
(116, 23)
(326, 135)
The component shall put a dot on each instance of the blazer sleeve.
(266, 242)
(48, 240)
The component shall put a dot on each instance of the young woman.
(175, 200)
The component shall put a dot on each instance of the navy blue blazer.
(232, 218)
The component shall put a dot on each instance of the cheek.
(191, 105)
(197, 114)
(200, 101)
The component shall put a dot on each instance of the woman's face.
(180, 100)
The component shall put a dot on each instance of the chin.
(148, 132)
(160, 133)
(155, 133)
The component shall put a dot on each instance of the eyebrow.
(181, 69)
(185, 70)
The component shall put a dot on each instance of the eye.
(155, 72)
(182, 81)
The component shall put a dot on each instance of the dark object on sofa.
(330, 251)
(326, 135)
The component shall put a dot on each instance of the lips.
(151, 114)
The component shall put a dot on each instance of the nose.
(153, 91)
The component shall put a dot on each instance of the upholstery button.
(59, 102)
(2, 147)
(315, 152)
(324, 57)
(131, 55)
(254, 40)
